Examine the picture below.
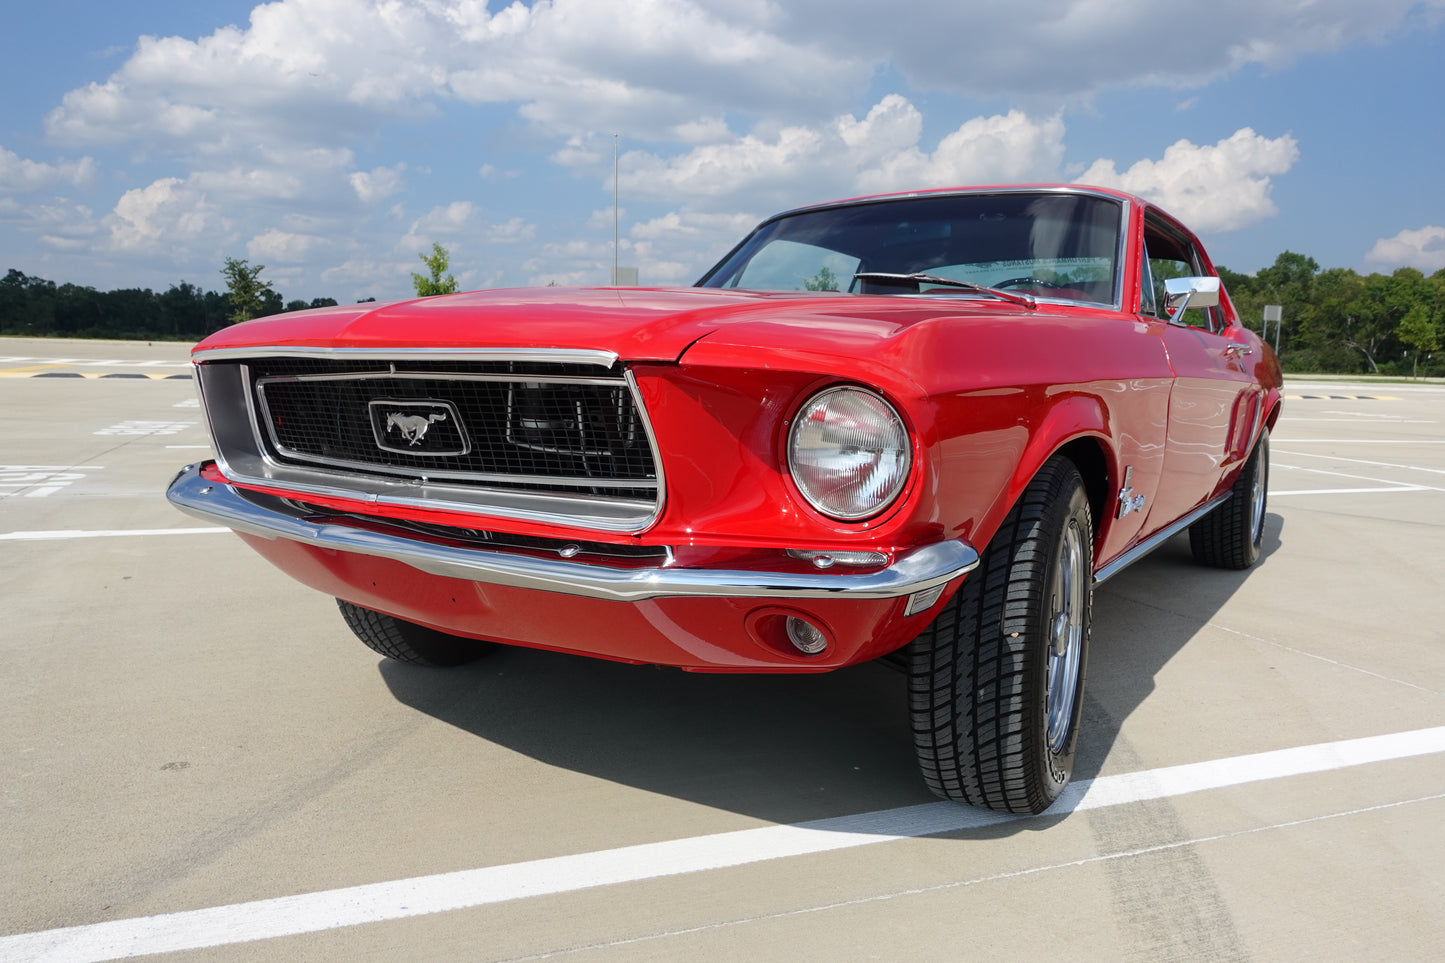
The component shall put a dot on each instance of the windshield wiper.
(920, 278)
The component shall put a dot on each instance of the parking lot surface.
(198, 759)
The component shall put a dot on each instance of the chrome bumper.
(270, 517)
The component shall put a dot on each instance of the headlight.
(849, 453)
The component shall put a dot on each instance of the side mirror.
(1182, 293)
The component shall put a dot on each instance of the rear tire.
(408, 642)
(996, 683)
(1231, 535)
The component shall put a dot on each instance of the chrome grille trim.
(604, 359)
(262, 417)
(245, 453)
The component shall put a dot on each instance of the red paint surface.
(990, 391)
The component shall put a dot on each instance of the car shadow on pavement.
(793, 748)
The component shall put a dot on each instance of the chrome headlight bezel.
(843, 431)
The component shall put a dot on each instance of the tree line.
(36, 307)
(1340, 321)
(1335, 320)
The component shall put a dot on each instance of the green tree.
(1420, 331)
(824, 280)
(250, 296)
(437, 263)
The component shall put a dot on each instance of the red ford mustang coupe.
(923, 425)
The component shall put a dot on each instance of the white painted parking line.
(418, 896)
(115, 533)
(40, 481)
(973, 881)
(1389, 484)
(140, 428)
(1350, 491)
(1360, 461)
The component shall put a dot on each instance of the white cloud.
(1211, 188)
(678, 246)
(283, 246)
(881, 152)
(58, 224)
(444, 221)
(725, 107)
(1423, 249)
(999, 149)
(164, 215)
(514, 231)
(308, 71)
(20, 174)
(311, 70)
(378, 183)
(750, 163)
(1071, 49)
(364, 277)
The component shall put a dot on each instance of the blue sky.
(334, 140)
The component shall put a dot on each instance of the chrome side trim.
(270, 517)
(1154, 541)
(547, 355)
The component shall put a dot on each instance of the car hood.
(634, 324)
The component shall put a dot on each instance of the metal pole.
(615, 140)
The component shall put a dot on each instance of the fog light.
(806, 637)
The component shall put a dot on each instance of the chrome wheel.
(1068, 608)
(996, 682)
(1257, 492)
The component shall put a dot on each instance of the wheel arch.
(1078, 430)
(1089, 456)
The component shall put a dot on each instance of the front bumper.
(269, 517)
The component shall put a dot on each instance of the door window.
(1168, 256)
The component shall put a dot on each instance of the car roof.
(982, 189)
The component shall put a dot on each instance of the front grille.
(534, 426)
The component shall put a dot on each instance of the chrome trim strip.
(250, 462)
(1154, 541)
(263, 417)
(269, 517)
(394, 375)
(590, 356)
(641, 409)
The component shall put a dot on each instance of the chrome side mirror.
(1182, 293)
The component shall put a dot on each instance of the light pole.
(616, 139)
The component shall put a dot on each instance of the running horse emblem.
(412, 427)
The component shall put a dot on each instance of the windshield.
(1053, 245)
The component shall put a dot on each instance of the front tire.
(996, 683)
(408, 642)
(1231, 535)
